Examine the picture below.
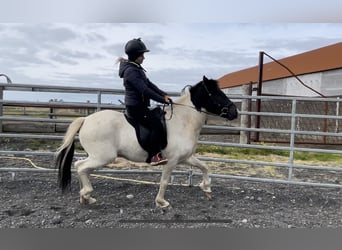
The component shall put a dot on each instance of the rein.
(179, 105)
(201, 111)
(171, 111)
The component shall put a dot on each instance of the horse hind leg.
(84, 169)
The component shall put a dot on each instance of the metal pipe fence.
(292, 132)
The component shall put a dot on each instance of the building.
(320, 69)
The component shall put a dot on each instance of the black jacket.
(139, 89)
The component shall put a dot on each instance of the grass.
(271, 155)
(239, 151)
(45, 112)
(263, 155)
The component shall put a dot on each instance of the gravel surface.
(33, 200)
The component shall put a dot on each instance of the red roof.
(322, 59)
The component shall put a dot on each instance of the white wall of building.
(332, 82)
(329, 83)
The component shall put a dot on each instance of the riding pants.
(144, 117)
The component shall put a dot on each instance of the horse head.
(207, 95)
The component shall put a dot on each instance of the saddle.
(143, 133)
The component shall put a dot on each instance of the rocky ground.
(32, 200)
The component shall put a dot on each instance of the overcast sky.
(76, 42)
(84, 54)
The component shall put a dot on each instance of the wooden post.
(51, 111)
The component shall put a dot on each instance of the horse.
(106, 135)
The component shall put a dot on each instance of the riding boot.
(158, 159)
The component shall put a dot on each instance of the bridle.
(224, 109)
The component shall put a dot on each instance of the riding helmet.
(134, 48)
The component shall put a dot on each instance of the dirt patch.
(32, 200)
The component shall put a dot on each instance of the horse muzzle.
(229, 112)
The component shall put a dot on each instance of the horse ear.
(205, 79)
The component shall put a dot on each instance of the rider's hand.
(168, 100)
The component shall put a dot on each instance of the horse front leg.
(166, 173)
(205, 184)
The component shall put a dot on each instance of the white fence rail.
(291, 148)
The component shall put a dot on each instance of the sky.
(85, 54)
(41, 44)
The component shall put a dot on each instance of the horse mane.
(186, 89)
(184, 95)
(191, 90)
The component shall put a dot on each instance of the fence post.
(292, 138)
(190, 180)
(1, 106)
(259, 93)
(51, 113)
(337, 129)
(99, 101)
(244, 118)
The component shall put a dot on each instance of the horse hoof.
(87, 201)
(162, 204)
(205, 188)
(209, 195)
(91, 200)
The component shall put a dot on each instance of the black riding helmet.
(134, 48)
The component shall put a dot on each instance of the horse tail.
(65, 153)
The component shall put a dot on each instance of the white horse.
(106, 135)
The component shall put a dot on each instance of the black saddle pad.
(143, 133)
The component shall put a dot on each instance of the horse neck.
(187, 111)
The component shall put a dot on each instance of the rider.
(139, 90)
